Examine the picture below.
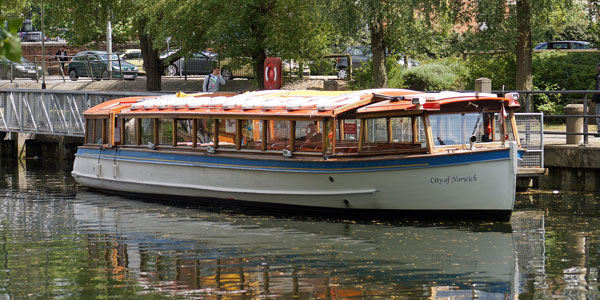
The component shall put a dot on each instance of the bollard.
(574, 124)
(483, 85)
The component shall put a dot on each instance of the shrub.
(500, 68)
(428, 77)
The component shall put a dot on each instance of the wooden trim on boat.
(155, 128)
(263, 132)
(87, 128)
(138, 131)
(428, 133)
(515, 130)
(174, 138)
(216, 134)
(387, 114)
(324, 138)
(415, 128)
(195, 134)
(361, 134)
(238, 134)
(262, 116)
(292, 142)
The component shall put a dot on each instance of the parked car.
(359, 55)
(134, 57)
(202, 63)
(24, 69)
(557, 45)
(230, 71)
(199, 63)
(95, 64)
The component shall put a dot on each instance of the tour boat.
(347, 152)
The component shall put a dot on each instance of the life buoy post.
(273, 73)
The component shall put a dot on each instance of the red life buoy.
(272, 73)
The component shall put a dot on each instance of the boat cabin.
(306, 123)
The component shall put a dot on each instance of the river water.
(61, 240)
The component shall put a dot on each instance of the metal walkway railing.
(531, 135)
(51, 112)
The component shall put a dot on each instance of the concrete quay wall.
(571, 167)
(30, 145)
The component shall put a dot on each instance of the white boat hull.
(482, 184)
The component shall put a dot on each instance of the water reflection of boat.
(208, 253)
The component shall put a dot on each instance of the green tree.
(248, 31)
(404, 27)
(84, 22)
(10, 22)
(502, 25)
(10, 45)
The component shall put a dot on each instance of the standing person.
(213, 80)
(596, 97)
(61, 55)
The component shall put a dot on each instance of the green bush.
(323, 66)
(362, 78)
(428, 77)
(500, 68)
(565, 70)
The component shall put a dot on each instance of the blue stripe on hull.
(294, 165)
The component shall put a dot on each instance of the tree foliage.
(10, 45)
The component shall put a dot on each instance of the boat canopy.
(304, 103)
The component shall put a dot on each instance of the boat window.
(227, 133)
(117, 131)
(251, 134)
(377, 130)
(98, 131)
(165, 131)
(279, 135)
(147, 131)
(185, 132)
(347, 136)
(402, 129)
(129, 138)
(390, 134)
(89, 131)
(451, 129)
(206, 132)
(309, 136)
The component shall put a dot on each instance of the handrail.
(586, 106)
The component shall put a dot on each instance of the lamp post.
(43, 51)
